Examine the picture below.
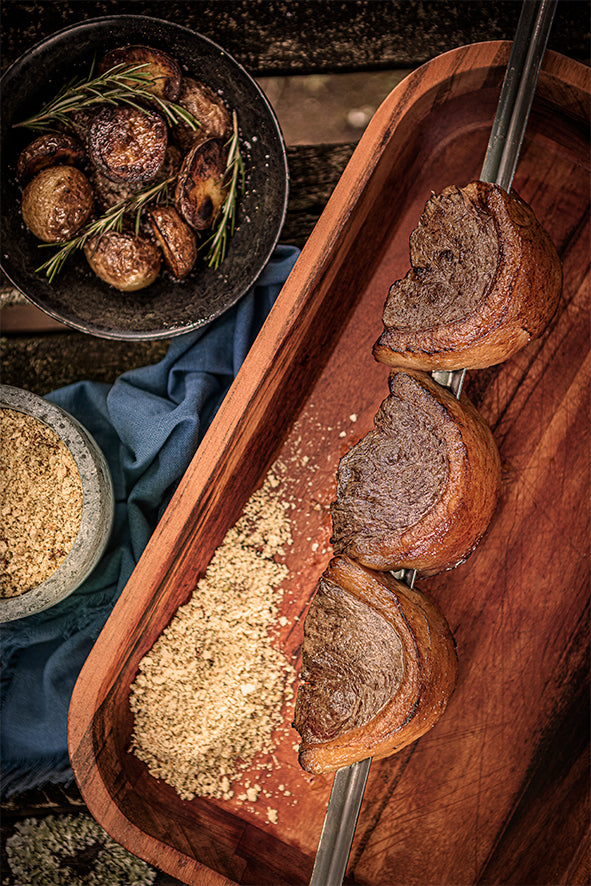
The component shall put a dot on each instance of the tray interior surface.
(318, 392)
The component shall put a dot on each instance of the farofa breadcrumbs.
(209, 694)
(41, 502)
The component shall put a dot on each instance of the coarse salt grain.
(209, 694)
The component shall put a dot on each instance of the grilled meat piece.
(485, 280)
(419, 490)
(378, 668)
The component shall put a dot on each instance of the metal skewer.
(500, 162)
(508, 129)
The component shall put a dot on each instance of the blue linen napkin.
(148, 424)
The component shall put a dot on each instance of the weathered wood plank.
(302, 36)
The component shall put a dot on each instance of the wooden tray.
(497, 791)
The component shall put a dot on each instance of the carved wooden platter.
(497, 791)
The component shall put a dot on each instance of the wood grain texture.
(475, 799)
(301, 36)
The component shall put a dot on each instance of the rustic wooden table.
(545, 835)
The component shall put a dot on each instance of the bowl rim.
(167, 332)
(98, 496)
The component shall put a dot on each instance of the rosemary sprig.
(235, 176)
(111, 220)
(121, 84)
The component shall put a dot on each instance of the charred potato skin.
(200, 190)
(164, 71)
(108, 193)
(175, 238)
(127, 144)
(209, 111)
(124, 261)
(49, 149)
(56, 203)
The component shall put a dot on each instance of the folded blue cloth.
(148, 424)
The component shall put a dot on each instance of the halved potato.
(176, 239)
(200, 190)
(128, 144)
(49, 149)
(124, 261)
(108, 193)
(163, 72)
(207, 108)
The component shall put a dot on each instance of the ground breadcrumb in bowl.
(57, 504)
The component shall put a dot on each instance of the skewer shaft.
(518, 90)
(508, 129)
(339, 826)
(500, 162)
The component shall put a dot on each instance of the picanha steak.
(378, 668)
(419, 490)
(485, 279)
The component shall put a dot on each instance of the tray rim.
(312, 266)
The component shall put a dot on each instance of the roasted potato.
(57, 203)
(80, 122)
(49, 149)
(208, 110)
(128, 144)
(108, 193)
(124, 261)
(163, 72)
(176, 239)
(200, 190)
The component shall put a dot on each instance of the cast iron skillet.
(167, 308)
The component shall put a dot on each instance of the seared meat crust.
(379, 666)
(485, 280)
(419, 490)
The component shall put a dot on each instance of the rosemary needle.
(121, 84)
(218, 242)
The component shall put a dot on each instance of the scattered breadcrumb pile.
(210, 693)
